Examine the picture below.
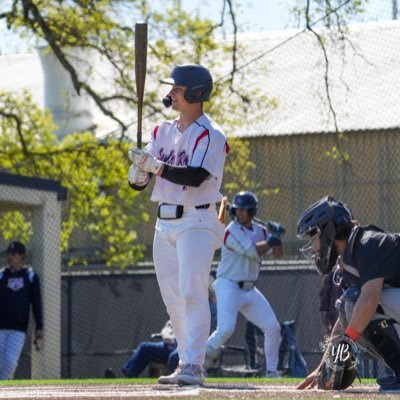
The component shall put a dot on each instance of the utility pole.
(394, 9)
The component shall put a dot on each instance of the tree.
(100, 203)
(101, 207)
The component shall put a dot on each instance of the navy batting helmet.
(246, 200)
(196, 78)
(325, 219)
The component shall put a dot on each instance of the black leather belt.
(175, 211)
(202, 207)
(246, 285)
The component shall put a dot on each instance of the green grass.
(147, 381)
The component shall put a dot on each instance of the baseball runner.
(367, 265)
(244, 245)
(187, 158)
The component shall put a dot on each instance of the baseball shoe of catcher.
(389, 384)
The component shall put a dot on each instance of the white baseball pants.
(256, 308)
(183, 251)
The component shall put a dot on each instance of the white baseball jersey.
(202, 144)
(239, 258)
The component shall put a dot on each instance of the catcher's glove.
(339, 368)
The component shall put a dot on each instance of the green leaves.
(101, 210)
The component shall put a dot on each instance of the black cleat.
(109, 374)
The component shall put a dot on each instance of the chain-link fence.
(334, 129)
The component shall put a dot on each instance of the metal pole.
(394, 9)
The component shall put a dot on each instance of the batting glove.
(145, 161)
(276, 229)
(274, 241)
(137, 177)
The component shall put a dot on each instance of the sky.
(253, 16)
(272, 15)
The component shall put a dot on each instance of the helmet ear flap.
(231, 211)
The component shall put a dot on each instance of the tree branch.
(326, 79)
(30, 7)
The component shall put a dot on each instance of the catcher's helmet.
(323, 219)
(246, 200)
(196, 78)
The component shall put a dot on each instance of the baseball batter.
(245, 243)
(367, 261)
(187, 158)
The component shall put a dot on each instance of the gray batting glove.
(137, 177)
(145, 161)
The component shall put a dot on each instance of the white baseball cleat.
(171, 379)
(191, 374)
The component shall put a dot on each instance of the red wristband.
(352, 333)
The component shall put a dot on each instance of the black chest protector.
(373, 253)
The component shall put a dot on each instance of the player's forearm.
(264, 246)
(365, 306)
(277, 252)
(188, 176)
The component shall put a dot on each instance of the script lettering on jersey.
(181, 159)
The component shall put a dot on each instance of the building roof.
(363, 80)
(28, 182)
(288, 66)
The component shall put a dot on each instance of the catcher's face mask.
(311, 249)
(321, 249)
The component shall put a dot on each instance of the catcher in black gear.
(367, 262)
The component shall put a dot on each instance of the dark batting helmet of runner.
(245, 200)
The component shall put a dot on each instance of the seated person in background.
(162, 351)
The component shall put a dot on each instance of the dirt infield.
(128, 391)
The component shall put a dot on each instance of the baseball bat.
(140, 73)
(222, 210)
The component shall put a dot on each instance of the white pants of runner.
(11, 344)
(256, 308)
(183, 251)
